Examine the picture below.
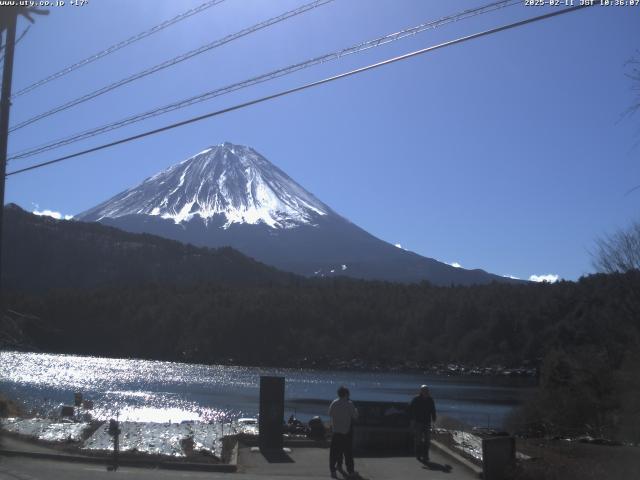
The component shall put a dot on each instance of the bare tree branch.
(619, 252)
(633, 72)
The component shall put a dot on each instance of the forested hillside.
(41, 253)
(380, 323)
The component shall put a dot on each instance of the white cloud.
(549, 277)
(455, 264)
(51, 213)
(511, 276)
(344, 267)
(397, 245)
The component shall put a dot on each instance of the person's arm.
(433, 411)
(354, 412)
(412, 409)
(331, 412)
(412, 413)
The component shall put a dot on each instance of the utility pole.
(8, 23)
(11, 20)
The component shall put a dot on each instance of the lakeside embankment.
(178, 441)
(542, 459)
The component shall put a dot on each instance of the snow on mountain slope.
(233, 181)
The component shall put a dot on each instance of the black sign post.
(114, 431)
(498, 457)
(271, 417)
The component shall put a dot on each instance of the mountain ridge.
(41, 253)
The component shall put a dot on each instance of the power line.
(173, 61)
(304, 87)
(265, 77)
(117, 46)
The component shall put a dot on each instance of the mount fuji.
(230, 195)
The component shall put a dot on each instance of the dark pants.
(422, 439)
(341, 444)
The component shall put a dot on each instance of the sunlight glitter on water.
(132, 390)
(154, 414)
(143, 390)
(68, 371)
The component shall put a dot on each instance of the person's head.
(424, 391)
(343, 392)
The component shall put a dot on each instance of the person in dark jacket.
(422, 411)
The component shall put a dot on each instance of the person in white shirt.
(342, 413)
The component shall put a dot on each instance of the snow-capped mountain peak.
(230, 195)
(227, 180)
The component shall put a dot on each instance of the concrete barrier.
(125, 462)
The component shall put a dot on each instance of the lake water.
(154, 391)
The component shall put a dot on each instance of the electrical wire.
(264, 77)
(304, 87)
(173, 61)
(116, 47)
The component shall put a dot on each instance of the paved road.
(314, 463)
(16, 468)
(304, 463)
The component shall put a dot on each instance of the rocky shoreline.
(529, 369)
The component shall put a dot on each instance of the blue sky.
(507, 153)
